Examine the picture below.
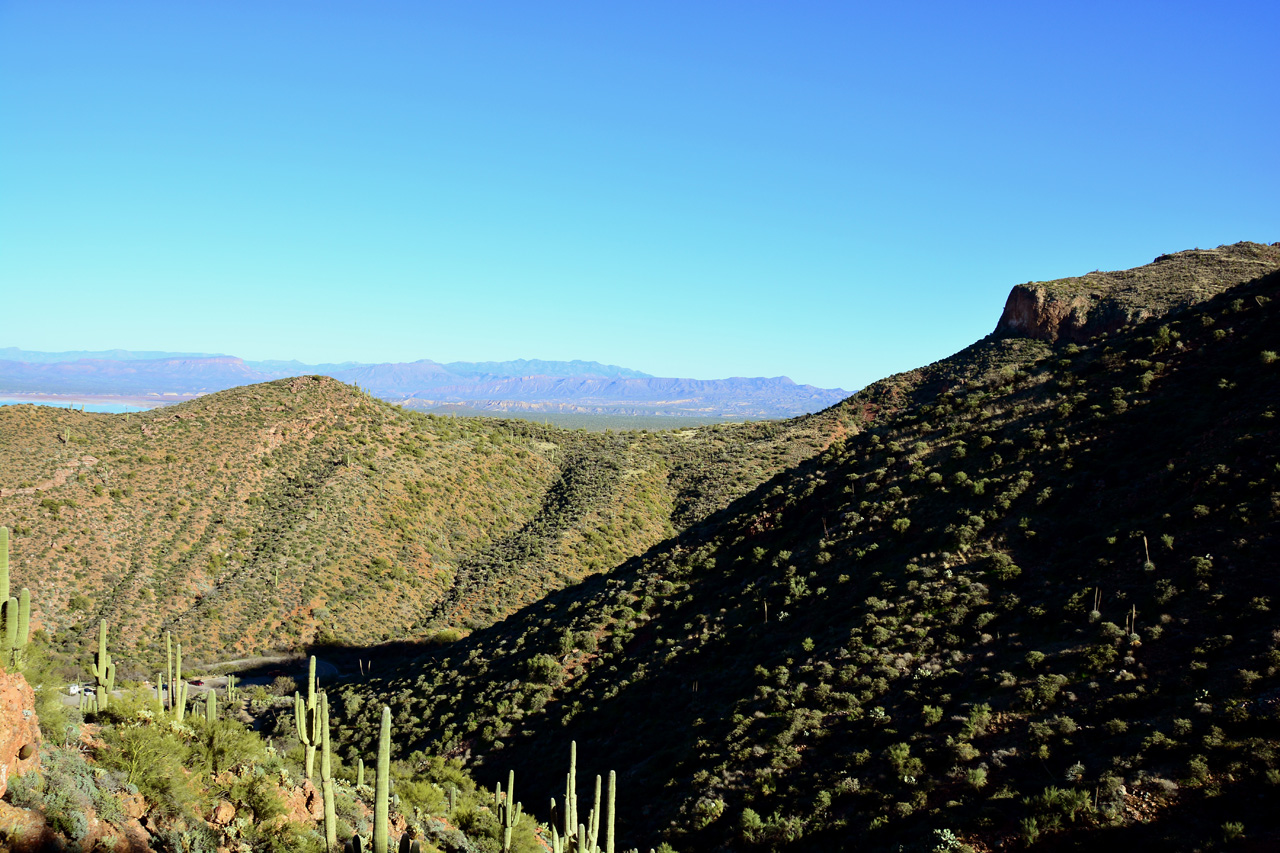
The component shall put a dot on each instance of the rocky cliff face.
(1035, 311)
(1076, 309)
(19, 729)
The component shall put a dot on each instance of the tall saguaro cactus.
(571, 794)
(15, 613)
(307, 719)
(608, 837)
(9, 615)
(326, 778)
(177, 687)
(509, 811)
(382, 788)
(168, 653)
(103, 669)
(4, 564)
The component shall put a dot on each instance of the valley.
(1022, 596)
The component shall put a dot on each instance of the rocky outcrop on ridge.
(1076, 309)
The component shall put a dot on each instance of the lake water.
(89, 406)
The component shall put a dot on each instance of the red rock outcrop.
(19, 729)
(1034, 311)
(1076, 309)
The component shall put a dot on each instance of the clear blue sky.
(823, 190)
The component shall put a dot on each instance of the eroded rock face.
(1077, 309)
(1033, 311)
(19, 729)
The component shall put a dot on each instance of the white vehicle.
(73, 689)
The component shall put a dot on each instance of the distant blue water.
(110, 408)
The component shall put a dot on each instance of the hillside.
(1031, 601)
(302, 510)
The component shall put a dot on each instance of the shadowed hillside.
(1033, 600)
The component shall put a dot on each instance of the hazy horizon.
(829, 193)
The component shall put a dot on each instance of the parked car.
(197, 682)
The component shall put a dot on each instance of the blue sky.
(820, 190)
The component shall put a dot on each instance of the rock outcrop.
(1076, 309)
(19, 729)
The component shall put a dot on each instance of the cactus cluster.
(15, 613)
(177, 686)
(582, 837)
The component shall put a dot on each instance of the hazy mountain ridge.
(590, 386)
(131, 377)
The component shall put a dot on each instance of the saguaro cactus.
(24, 620)
(180, 709)
(211, 706)
(382, 790)
(15, 613)
(307, 719)
(608, 837)
(508, 809)
(571, 794)
(168, 653)
(9, 615)
(4, 564)
(103, 669)
(326, 778)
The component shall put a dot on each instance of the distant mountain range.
(529, 386)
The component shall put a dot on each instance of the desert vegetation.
(1020, 597)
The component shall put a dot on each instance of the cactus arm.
(4, 564)
(608, 834)
(168, 654)
(24, 618)
(383, 785)
(326, 777)
(10, 615)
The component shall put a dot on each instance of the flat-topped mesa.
(1076, 309)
